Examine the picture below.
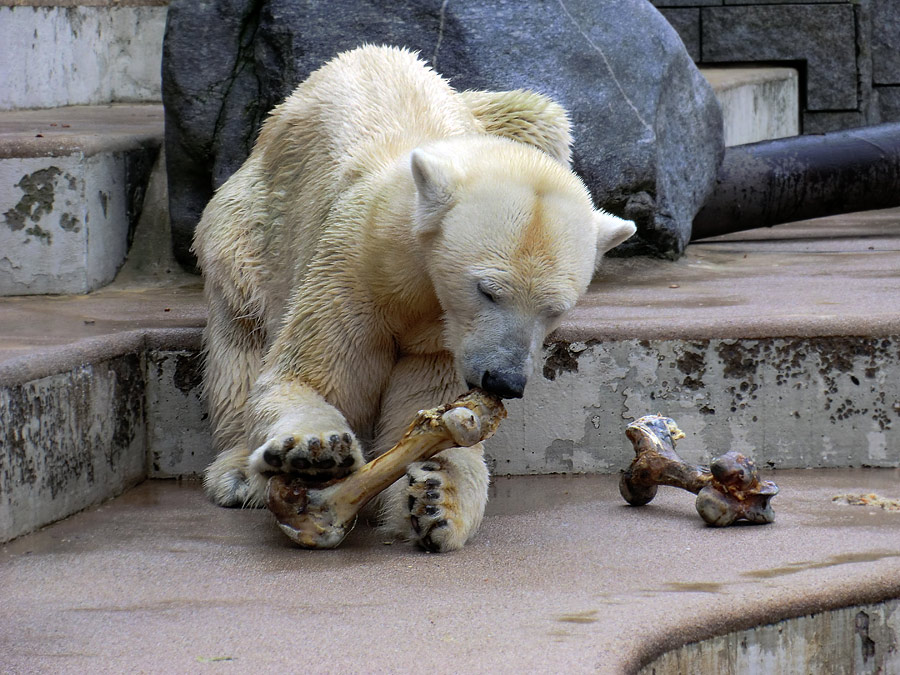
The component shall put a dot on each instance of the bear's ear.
(611, 231)
(434, 178)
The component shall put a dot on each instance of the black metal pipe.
(791, 179)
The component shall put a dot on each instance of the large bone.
(321, 516)
(729, 490)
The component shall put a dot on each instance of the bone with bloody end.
(729, 490)
(321, 516)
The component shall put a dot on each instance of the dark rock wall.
(647, 126)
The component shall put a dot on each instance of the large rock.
(648, 131)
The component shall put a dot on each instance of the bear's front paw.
(438, 522)
(332, 454)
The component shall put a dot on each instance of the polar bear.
(388, 243)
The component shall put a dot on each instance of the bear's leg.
(295, 430)
(440, 502)
(233, 353)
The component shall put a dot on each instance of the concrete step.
(72, 185)
(781, 343)
(563, 577)
(80, 52)
(758, 103)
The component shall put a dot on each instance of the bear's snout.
(503, 383)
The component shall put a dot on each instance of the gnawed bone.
(727, 491)
(321, 516)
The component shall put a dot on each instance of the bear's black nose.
(504, 384)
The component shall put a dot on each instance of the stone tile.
(686, 3)
(822, 36)
(823, 122)
(686, 23)
(886, 41)
(889, 103)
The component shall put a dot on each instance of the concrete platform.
(563, 577)
(72, 185)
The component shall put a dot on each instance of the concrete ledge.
(85, 434)
(758, 104)
(81, 129)
(70, 440)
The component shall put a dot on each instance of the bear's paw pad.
(331, 454)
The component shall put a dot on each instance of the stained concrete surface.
(563, 577)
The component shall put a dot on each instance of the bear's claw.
(431, 509)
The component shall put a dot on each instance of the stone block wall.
(847, 51)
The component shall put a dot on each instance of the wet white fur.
(342, 262)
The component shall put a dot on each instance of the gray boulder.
(647, 128)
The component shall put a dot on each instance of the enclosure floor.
(563, 577)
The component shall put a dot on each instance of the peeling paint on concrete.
(69, 223)
(38, 189)
(46, 206)
(789, 403)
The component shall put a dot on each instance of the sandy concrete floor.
(563, 577)
(830, 276)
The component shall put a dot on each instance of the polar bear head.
(510, 240)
